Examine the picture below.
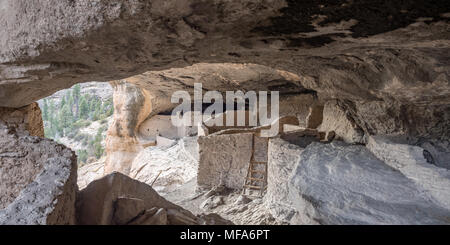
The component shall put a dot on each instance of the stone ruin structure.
(368, 85)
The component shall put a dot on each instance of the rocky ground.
(231, 205)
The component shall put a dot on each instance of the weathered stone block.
(224, 159)
(95, 203)
(37, 181)
(126, 209)
(338, 183)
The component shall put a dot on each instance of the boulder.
(37, 176)
(412, 162)
(338, 183)
(242, 199)
(90, 172)
(153, 216)
(167, 167)
(440, 152)
(95, 203)
(126, 209)
(37, 181)
(180, 217)
(283, 156)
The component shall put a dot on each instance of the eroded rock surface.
(283, 157)
(119, 199)
(335, 119)
(95, 203)
(38, 181)
(412, 162)
(166, 168)
(90, 172)
(346, 184)
(383, 69)
(59, 52)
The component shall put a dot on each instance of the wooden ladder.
(255, 183)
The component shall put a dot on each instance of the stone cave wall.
(37, 176)
(384, 70)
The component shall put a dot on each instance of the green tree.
(66, 117)
(97, 143)
(84, 108)
(82, 156)
(76, 94)
(62, 103)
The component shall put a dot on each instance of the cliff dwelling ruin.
(362, 130)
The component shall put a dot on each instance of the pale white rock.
(283, 156)
(411, 162)
(162, 125)
(164, 142)
(90, 172)
(171, 166)
(440, 152)
(338, 183)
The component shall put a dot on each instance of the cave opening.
(78, 117)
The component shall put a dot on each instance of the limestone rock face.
(166, 168)
(51, 45)
(299, 106)
(338, 183)
(412, 162)
(131, 107)
(90, 172)
(37, 181)
(390, 117)
(336, 119)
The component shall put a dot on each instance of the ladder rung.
(258, 179)
(253, 187)
(258, 171)
(256, 162)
